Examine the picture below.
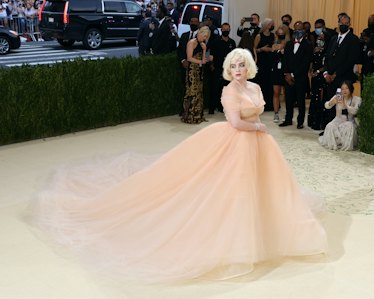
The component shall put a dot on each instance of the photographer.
(341, 132)
(254, 29)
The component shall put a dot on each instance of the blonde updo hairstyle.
(235, 55)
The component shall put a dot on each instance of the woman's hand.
(261, 127)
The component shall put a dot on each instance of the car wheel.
(4, 45)
(66, 42)
(93, 39)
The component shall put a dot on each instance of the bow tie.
(296, 42)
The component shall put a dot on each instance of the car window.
(191, 10)
(114, 6)
(54, 6)
(133, 8)
(215, 12)
(83, 6)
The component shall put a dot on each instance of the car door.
(115, 11)
(134, 17)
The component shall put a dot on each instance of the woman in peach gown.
(232, 204)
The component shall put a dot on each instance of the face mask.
(318, 31)
(281, 36)
(253, 24)
(343, 28)
(193, 27)
(320, 43)
(271, 28)
(298, 34)
(286, 23)
(225, 33)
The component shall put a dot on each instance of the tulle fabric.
(208, 203)
(219, 202)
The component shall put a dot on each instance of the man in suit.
(342, 54)
(173, 13)
(162, 39)
(254, 29)
(297, 58)
(183, 40)
(219, 50)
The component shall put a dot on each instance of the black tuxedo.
(182, 46)
(175, 16)
(297, 64)
(162, 39)
(340, 60)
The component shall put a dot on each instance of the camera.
(248, 19)
(344, 112)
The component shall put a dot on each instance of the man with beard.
(254, 20)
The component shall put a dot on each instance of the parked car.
(201, 8)
(89, 21)
(9, 40)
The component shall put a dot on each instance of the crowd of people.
(294, 60)
(20, 15)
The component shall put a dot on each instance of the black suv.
(89, 21)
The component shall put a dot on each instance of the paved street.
(34, 53)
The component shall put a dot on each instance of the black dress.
(265, 64)
(318, 93)
(277, 74)
(193, 102)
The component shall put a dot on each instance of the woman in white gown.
(214, 203)
(341, 132)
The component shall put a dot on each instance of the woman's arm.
(331, 103)
(236, 122)
(191, 45)
(354, 108)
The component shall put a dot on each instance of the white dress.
(341, 132)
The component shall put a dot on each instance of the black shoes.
(285, 124)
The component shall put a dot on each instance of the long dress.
(193, 102)
(265, 65)
(341, 132)
(219, 202)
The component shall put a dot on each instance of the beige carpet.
(30, 269)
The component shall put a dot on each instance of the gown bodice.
(247, 100)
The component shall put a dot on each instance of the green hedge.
(366, 117)
(45, 101)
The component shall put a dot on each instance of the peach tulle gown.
(219, 202)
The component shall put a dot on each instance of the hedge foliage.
(366, 117)
(45, 101)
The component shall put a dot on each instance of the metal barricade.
(25, 27)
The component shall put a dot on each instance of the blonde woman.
(193, 102)
(213, 202)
